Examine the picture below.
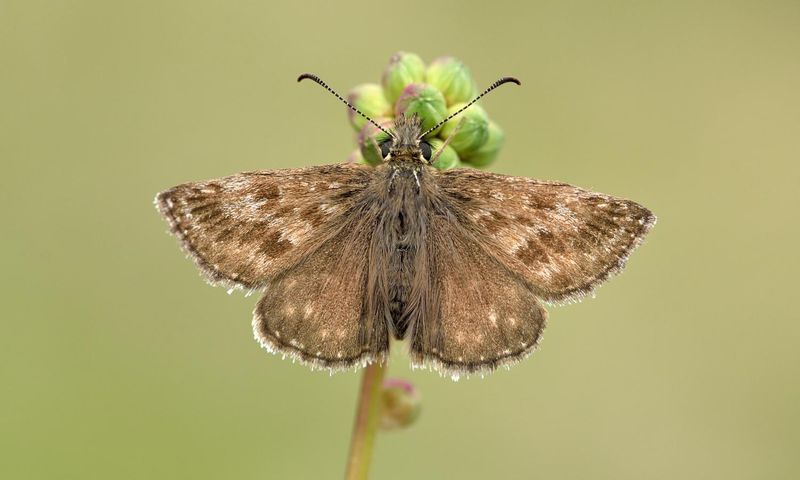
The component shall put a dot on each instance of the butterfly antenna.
(311, 76)
(496, 84)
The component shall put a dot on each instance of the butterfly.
(456, 262)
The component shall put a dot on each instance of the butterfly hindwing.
(477, 313)
(317, 311)
(564, 240)
(244, 229)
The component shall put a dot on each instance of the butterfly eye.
(425, 148)
(386, 145)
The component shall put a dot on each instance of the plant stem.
(366, 423)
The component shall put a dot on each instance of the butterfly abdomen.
(400, 274)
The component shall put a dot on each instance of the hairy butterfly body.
(456, 262)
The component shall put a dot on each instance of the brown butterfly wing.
(317, 310)
(564, 240)
(245, 229)
(475, 313)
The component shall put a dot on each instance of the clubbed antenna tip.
(308, 76)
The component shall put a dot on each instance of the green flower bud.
(452, 78)
(424, 100)
(473, 132)
(400, 404)
(448, 158)
(404, 68)
(487, 152)
(368, 98)
(369, 139)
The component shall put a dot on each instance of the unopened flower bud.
(370, 138)
(487, 152)
(452, 78)
(404, 68)
(448, 158)
(369, 98)
(400, 404)
(472, 133)
(424, 100)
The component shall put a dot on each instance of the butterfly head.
(404, 143)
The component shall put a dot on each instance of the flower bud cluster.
(432, 92)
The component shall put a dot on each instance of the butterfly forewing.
(564, 240)
(245, 229)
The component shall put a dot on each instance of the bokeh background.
(117, 361)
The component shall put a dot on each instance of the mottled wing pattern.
(477, 314)
(316, 311)
(244, 229)
(564, 240)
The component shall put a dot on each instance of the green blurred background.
(117, 361)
